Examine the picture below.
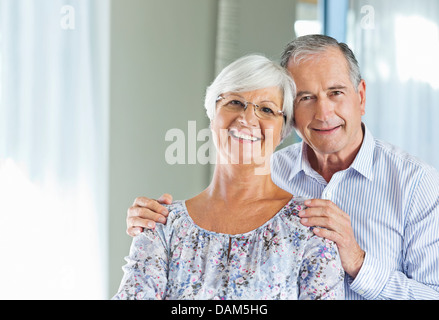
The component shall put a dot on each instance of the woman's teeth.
(244, 136)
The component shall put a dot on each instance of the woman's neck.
(232, 183)
(237, 200)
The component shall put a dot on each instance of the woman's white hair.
(249, 73)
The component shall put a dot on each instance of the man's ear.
(362, 96)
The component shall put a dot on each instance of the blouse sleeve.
(145, 274)
(321, 275)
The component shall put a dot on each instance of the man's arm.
(145, 213)
(420, 276)
(370, 277)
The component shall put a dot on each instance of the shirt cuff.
(371, 279)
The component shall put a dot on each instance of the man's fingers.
(140, 218)
(134, 231)
(314, 212)
(145, 213)
(327, 234)
(318, 203)
(165, 199)
(322, 217)
(135, 225)
(137, 214)
(320, 221)
(150, 204)
(136, 222)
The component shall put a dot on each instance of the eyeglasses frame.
(255, 106)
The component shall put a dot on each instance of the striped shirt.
(392, 199)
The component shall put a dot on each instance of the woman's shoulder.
(176, 211)
(294, 206)
(176, 206)
(290, 213)
(176, 220)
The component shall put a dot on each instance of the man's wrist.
(355, 268)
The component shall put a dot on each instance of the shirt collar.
(362, 163)
(302, 163)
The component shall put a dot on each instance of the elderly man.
(379, 204)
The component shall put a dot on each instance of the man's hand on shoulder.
(146, 212)
(334, 224)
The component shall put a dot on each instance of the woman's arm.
(146, 272)
(321, 275)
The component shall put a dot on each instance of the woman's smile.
(243, 136)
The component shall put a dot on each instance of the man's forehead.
(330, 69)
(327, 57)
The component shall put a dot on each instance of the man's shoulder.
(286, 161)
(397, 155)
(393, 156)
(291, 152)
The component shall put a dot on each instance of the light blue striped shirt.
(392, 199)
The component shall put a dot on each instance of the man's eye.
(337, 93)
(306, 98)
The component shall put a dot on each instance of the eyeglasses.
(234, 103)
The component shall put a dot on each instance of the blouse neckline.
(245, 234)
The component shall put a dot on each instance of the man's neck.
(328, 164)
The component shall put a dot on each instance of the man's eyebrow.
(337, 86)
(302, 93)
(333, 87)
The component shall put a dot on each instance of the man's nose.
(324, 109)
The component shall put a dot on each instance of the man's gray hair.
(249, 73)
(306, 46)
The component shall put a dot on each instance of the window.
(397, 45)
(308, 17)
(53, 146)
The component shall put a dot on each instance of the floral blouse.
(282, 259)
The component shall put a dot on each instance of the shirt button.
(327, 195)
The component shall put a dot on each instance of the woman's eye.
(236, 103)
(266, 110)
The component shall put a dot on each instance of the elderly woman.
(241, 237)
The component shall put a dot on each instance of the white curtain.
(397, 45)
(53, 149)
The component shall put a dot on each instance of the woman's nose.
(248, 115)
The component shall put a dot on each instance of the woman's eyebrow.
(270, 101)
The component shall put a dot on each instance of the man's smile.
(326, 130)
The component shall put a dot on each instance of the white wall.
(161, 62)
